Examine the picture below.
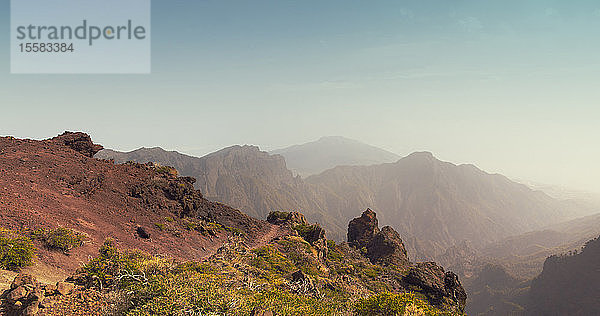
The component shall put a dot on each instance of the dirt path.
(274, 232)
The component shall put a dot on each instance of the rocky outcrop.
(443, 288)
(383, 247)
(362, 229)
(286, 218)
(79, 142)
(27, 296)
(313, 234)
(386, 247)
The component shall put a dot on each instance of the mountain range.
(433, 204)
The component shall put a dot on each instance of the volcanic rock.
(437, 284)
(79, 142)
(286, 218)
(387, 247)
(362, 229)
(142, 232)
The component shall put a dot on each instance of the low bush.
(114, 269)
(15, 251)
(62, 239)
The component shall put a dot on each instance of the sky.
(510, 86)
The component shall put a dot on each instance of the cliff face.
(569, 284)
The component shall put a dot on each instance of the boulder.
(382, 246)
(18, 294)
(64, 288)
(32, 309)
(23, 279)
(362, 229)
(142, 232)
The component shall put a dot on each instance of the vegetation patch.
(166, 170)
(391, 304)
(160, 226)
(15, 251)
(238, 281)
(61, 239)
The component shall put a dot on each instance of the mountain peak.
(332, 151)
(422, 155)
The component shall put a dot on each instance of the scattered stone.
(49, 289)
(31, 310)
(18, 294)
(142, 232)
(64, 288)
(23, 279)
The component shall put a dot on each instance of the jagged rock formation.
(313, 234)
(362, 229)
(382, 246)
(385, 247)
(569, 284)
(290, 219)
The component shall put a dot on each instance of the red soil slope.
(56, 183)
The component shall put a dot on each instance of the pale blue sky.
(511, 86)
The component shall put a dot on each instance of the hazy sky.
(511, 86)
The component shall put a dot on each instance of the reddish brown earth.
(56, 183)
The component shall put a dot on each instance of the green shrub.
(166, 170)
(169, 219)
(391, 304)
(63, 239)
(271, 260)
(113, 268)
(15, 251)
(160, 226)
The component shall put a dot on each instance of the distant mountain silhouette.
(569, 284)
(328, 152)
(433, 204)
